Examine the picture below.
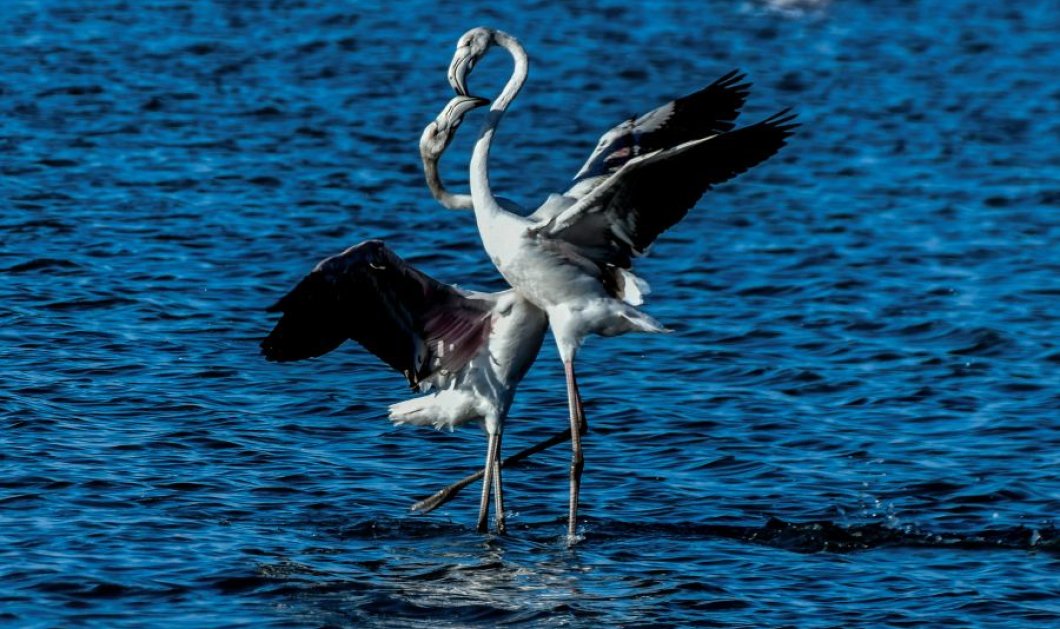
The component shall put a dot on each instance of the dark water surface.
(855, 422)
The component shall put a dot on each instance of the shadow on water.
(803, 537)
(825, 536)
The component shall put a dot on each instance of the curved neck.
(519, 72)
(438, 191)
(485, 203)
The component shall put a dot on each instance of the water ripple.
(853, 424)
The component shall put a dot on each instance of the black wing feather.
(709, 111)
(412, 322)
(661, 193)
(654, 195)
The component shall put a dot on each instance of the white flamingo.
(571, 258)
(472, 348)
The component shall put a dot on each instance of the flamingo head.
(439, 133)
(471, 46)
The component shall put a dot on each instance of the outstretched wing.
(367, 293)
(626, 212)
(710, 111)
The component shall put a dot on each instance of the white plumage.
(571, 258)
(569, 263)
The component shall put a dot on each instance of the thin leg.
(498, 488)
(584, 423)
(577, 462)
(446, 494)
(487, 480)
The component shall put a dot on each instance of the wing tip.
(733, 80)
(783, 116)
(783, 121)
(282, 348)
(732, 84)
(723, 99)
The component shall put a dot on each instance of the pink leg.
(446, 494)
(487, 481)
(498, 490)
(577, 421)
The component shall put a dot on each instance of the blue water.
(855, 423)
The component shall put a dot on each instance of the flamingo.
(712, 108)
(571, 258)
(472, 348)
(436, 137)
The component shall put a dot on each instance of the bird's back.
(484, 388)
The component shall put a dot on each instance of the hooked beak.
(443, 128)
(459, 105)
(462, 63)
